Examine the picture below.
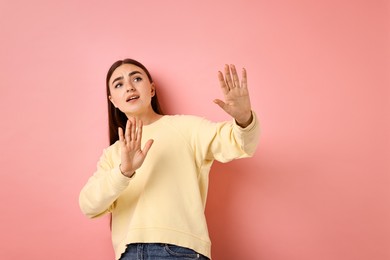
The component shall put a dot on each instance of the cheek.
(115, 95)
(114, 100)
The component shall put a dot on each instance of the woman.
(153, 178)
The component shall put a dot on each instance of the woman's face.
(131, 91)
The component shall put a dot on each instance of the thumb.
(147, 146)
(220, 103)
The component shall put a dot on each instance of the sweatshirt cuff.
(119, 181)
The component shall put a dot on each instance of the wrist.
(244, 122)
(128, 174)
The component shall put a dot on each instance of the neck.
(146, 118)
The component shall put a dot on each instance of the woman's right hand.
(132, 156)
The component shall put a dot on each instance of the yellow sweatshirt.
(165, 201)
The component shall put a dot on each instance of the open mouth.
(132, 98)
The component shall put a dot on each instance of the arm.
(226, 141)
(98, 195)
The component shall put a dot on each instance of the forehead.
(124, 70)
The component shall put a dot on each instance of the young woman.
(153, 178)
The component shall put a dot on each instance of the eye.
(136, 79)
(118, 85)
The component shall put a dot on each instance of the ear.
(153, 89)
(112, 101)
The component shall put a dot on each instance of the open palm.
(237, 103)
(132, 156)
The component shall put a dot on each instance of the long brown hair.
(117, 118)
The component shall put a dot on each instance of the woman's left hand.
(237, 103)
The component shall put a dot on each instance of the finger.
(228, 77)
(121, 137)
(127, 132)
(133, 128)
(236, 81)
(139, 130)
(224, 87)
(147, 146)
(244, 83)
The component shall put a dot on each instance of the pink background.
(318, 185)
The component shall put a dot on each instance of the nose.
(129, 87)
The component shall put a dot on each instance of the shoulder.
(112, 150)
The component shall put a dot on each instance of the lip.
(132, 98)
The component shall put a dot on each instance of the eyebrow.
(121, 77)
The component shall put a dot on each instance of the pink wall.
(318, 186)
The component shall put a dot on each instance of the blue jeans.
(155, 251)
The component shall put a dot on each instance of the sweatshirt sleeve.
(226, 141)
(98, 196)
(247, 137)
